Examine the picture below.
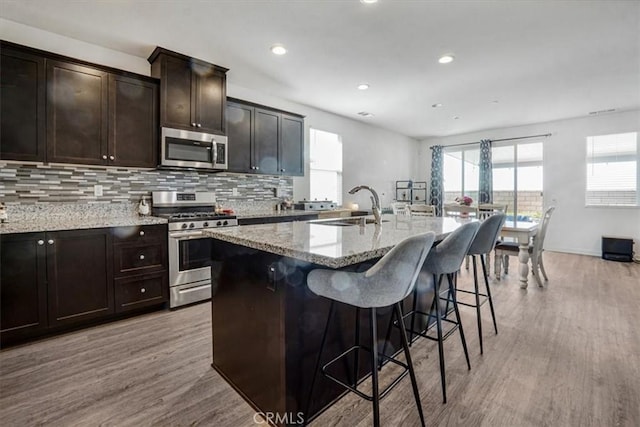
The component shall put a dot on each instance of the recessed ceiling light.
(445, 59)
(278, 49)
(456, 117)
(494, 102)
(363, 86)
(365, 114)
(368, 1)
(438, 105)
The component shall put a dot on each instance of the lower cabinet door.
(23, 285)
(80, 275)
(141, 291)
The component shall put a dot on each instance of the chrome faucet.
(375, 200)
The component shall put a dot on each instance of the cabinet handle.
(199, 125)
(104, 157)
(143, 290)
(281, 170)
(41, 242)
(141, 256)
(50, 241)
(257, 167)
(142, 233)
(193, 124)
(112, 158)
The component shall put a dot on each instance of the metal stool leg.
(455, 307)
(486, 283)
(374, 371)
(403, 337)
(477, 295)
(356, 361)
(436, 296)
(317, 367)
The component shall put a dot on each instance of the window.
(612, 170)
(325, 166)
(517, 178)
(461, 173)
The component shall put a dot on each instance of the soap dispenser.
(143, 206)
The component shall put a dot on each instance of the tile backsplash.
(29, 184)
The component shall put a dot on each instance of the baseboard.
(573, 251)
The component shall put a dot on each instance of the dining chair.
(385, 284)
(422, 210)
(485, 210)
(536, 248)
(400, 208)
(457, 210)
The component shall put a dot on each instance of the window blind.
(612, 170)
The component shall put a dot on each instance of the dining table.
(522, 232)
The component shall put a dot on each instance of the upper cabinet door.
(291, 145)
(211, 97)
(177, 108)
(240, 135)
(265, 142)
(77, 118)
(133, 122)
(22, 106)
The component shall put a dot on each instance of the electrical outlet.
(97, 190)
(235, 192)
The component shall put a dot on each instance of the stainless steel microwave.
(188, 149)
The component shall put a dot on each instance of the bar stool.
(483, 244)
(385, 284)
(443, 260)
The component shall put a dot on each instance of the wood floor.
(567, 354)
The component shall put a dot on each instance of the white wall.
(371, 156)
(574, 227)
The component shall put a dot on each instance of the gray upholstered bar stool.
(385, 284)
(483, 244)
(443, 260)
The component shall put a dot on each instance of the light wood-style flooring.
(567, 354)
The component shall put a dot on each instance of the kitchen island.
(267, 325)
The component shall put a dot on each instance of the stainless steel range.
(190, 252)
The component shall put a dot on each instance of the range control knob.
(218, 224)
(206, 224)
(192, 225)
(184, 225)
(225, 223)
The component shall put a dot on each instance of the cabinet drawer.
(137, 259)
(140, 233)
(141, 291)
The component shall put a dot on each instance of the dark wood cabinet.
(55, 280)
(192, 92)
(80, 275)
(77, 120)
(23, 285)
(291, 148)
(62, 110)
(133, 122)
(22, 105)
(140, 266)
(264, 140)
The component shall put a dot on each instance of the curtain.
(436, 193)
(485, 193)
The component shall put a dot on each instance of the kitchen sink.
(344, 222)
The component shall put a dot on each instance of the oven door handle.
(186, 236)
(214, 147)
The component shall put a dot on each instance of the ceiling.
(540, 60)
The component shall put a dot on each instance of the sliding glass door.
(461, 173)
(517, 178)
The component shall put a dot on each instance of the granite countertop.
(333, 246)
(73, 222)
(275, 214)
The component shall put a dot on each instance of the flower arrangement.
(464, 200)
